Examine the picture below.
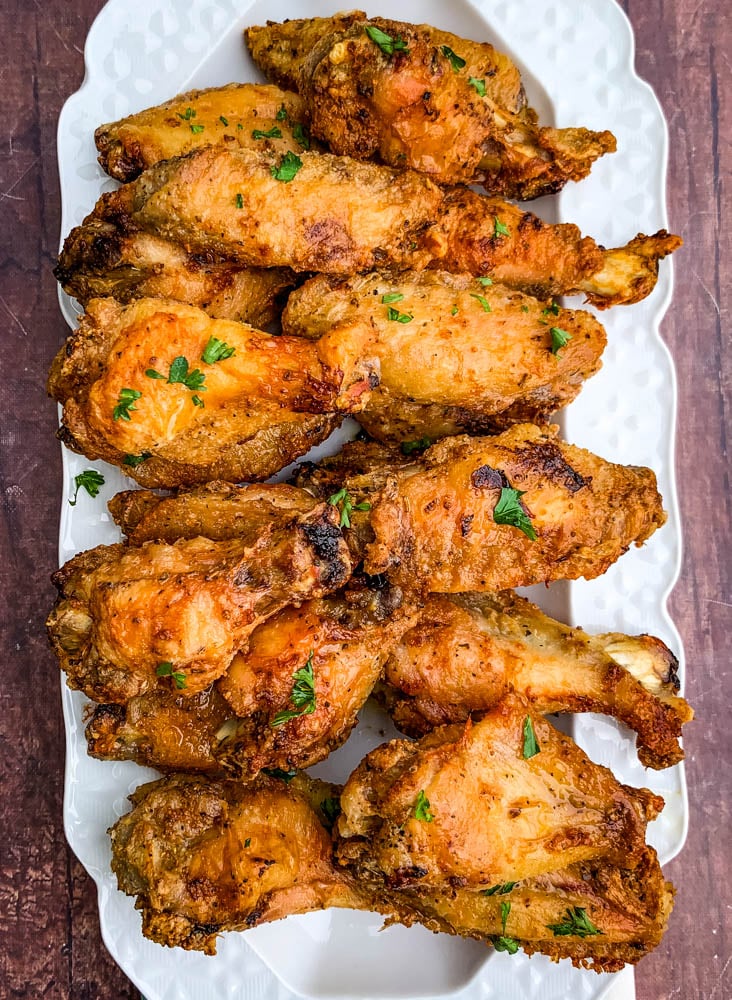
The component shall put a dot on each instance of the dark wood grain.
(48, 919)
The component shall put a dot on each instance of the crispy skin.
(468, 650)
(208, 856)
(229, 728)
(220, 116)
(100, 259)
(415, 109)
(254, 420)
(431, 521)
(339, 216)
(454, 366)
(122, 611)
(496, 817)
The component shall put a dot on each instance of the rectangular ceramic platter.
(138, 55)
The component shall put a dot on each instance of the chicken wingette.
(317, 212)
(455, 353)
(175, 397)
(251, 115)
(468, 650)
(99, 260)
(486, 514)
(415, 96)
(286, 701)
(129, 618)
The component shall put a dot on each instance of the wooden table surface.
(51, 946)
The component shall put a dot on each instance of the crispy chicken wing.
(207, 856)
(250, 115)
(100, 259)
(338, 216)
(134, 396)
(132, 618)
(468, 650)
(418, 97)
(454, 353)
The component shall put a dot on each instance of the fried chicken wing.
(338, 216)
(249, 115)
(205, 857)
(502, 799)
(133, 395)
(468, 650)
(129, 619)
(99, 259)
(418, 97)
(454, 353)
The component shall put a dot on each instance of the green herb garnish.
(499, 229)
(454, 311)
(166, 670)
(187, 114)
(135, 460)
(560, 339)
(386, 43)
(274, 133)
(456, 61)
(342, 501)
(196, 129)
(179, 373)
(508, 510)
(281, 115)
(422, 808)
(288, 167)
(301, 135)
(398, 317)
(247, 842)
(224, 121)
(391, 297)
(277, 772)
(420, 445)
(500, 889)
(530, 746)
(303, 694)
(503, 943)
(331, 810)
(483, 301)
(90, 480)
(216, 350)
(485, 282)
(239, 200)
(197, 401)
(124, 406)
(576, 923)
(478, 85)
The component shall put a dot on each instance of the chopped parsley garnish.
(391, 297)
(197, 401)
(576, 923)
(524, 309)
(478, 85)
(398, 317)
(509, 510)
(554, 309)
(135, 460)
(560, 339)
(420, 445)
(503, 943)
(483, 301)
(224, 121)
(247, 842)
(124, 406)
(422, 808)
(281, 115)
(166, 670)
(239, 200)
(499, 229)
(456, 61)
(501, 889)
(288, 167)
(274, 133)
(196, 129)
(153, 373)
(303, 694)
(187, 114)
(331, 810)
(277, 772)
(386, 43)
(454, 311)
(530, 746)
(239, 125)
(180, 373)
(342, 501)
(301, 135)
(485, 282)
(216, 350)
(90, 480)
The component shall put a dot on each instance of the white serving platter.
(577, 62)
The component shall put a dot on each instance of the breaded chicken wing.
(338, 216)
(248, 115)
(455, 353)
(176, 397)
(129, 619)
(99, 260)
(415, 96)
(468, 650)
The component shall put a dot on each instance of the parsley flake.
(530, 746)
(524, 309)
(501, 889)
(216, 350)
(422, 808)
(224, 121)
(342, 502)
(187, 114)
(90, 480)
(277, 772)
(420, 445)
(483, 301)
(478, 85)
(281, 115)
(391, 297)
(485, 282)
(554, 309)
(196, 129)
(301, 135)
(502, 942)
(499, 229)
(288, 167)
(398, 317)
(166, 670)
(274, 133)
(331, 810)
(576, 923)
(247, 842)
(124, 406)
(509, 510)
(153, 373)
(303, 694)
(386, 43)
(197, 401)
(560, 339)
(135, 460)
(456, 61)
(454, 311)
(239, 200)
(179, 373)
